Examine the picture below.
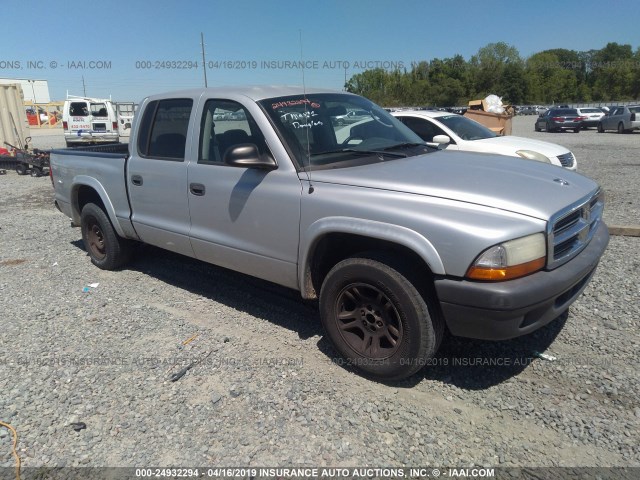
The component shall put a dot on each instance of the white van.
(89, 120)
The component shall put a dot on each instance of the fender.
(366, 228)
(85, 180)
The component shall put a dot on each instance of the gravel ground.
(271, 392)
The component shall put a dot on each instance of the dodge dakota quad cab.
(396, 239)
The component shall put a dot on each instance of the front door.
(244, 219)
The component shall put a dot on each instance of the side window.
(618, 111)
(226, 124)
(163, 129)
(424, 128)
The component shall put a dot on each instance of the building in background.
(35, 91)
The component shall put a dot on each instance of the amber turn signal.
(505, 273)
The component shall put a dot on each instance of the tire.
(36, 172)
(576, 130)
(600, 128)
(548, 128)
(21, 169)
(393, 330)
(621, 127)
(536, 128)
(106, 249)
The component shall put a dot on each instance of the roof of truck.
(255, 92)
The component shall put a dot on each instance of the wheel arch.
(88, 190)
(333, 239)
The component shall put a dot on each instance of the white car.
(592, 116)
(456, 132)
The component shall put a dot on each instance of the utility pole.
(204, 62)
(84, 87)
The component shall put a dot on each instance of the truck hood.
(521, 186)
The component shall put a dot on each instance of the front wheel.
(107, 250)
(377, 319)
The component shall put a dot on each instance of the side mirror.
(246, 155)
(441, 139)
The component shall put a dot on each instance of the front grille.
(566, 159)
(572, 229)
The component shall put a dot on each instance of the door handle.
(136, 180)
(197, 189)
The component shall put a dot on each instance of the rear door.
(101, 121)
(244, 219)
(79, 117)
(611, 121)
(157, 174)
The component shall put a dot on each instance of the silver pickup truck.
(396, 239)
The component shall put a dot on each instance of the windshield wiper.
(406, 145)
(412, 145)
(363, 152)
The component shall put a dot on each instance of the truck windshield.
(339, 130)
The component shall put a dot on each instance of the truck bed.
(101, 167)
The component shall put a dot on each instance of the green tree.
(488, 66)
(548, 82)
(613, 71)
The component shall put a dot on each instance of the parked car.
(89, 121)
(531, 110)
(558, 119)
(540, 109)
(623, 119)
(592, 116)
(396, 240)
(527, 110)
(456, 132)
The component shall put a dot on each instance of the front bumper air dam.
(503, 310)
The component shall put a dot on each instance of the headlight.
(512, 259)
(531, 155)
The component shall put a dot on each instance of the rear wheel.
(21, 169)
(576, 130)
(377, 319)
(548, 127)
(107, 250)
(621, 127)
(600, 128)
(536, 127)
